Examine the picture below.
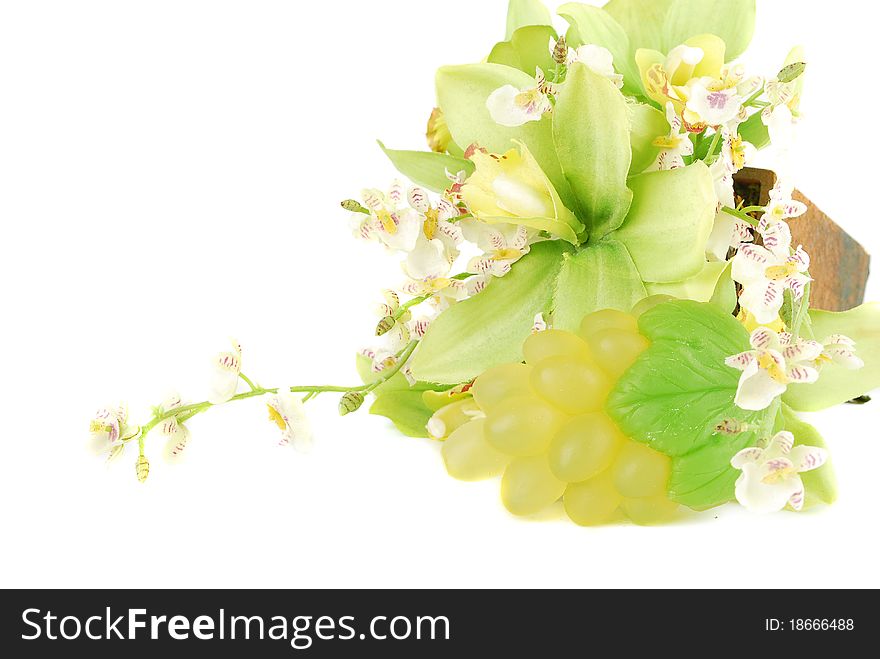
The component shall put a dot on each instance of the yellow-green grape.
(607, 319)
(649, 510)
(639, 471)
(501, 383)
(469, 457)
(615, 350)
(450, 417)
(528, 486)
(583, 447)
(553, 343)
(591, 502)
(575, 386)
(522, 426)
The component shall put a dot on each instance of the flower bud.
(560, 50)
(142, 468)
(350, 402)
(354, 206)
(385, 325)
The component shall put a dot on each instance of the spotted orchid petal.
(287, 411)
(511, 107)
(224, 381)
(713, 107)
(758, 386)
(841, 350)
(762, 491)
(746, 456)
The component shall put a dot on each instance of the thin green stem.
(248, 381)
(741, 215)
(754, 97)
(712, 146)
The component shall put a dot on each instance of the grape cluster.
(545, 430)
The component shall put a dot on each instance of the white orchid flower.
(109, 429)
(224, 381)
(674, 146)
(765, 272)
(287, 411)
(770, 477)
(502, 246)
(438, 235)
(598, 59)
(774, 362)
(390, 221)
(512, 107)
(175, 433)
(840, 349)
(782, 206)
(711, 105)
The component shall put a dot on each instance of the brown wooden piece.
(839, 265)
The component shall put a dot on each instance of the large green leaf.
(591, 132)
(647, 123)
(642, 21)
(732, 20)
(406, 410)
(593, 25)
(820, 485)
(526, 50)
(462, 92)
(837, 384)
(599, 276)
(526, 12)
(679, 390)
(427, 168)
(489, 328)
(670, 219)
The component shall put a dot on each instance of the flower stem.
(186, 412)
(740, 214)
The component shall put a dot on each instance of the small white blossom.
(502, 246)
(728, 231)
(176, 434)
(775, 361)
(674, 146)
(224, 381)
(840, 349)
(511, 107)
(287, 411)
(770, 478)
(765, 272)
(390, 222)
(598, 59)
(109, 429)
(712, 106)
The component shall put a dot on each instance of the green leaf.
(526, 12)
(679, 389)
(732, 20)
(647, 123)
(701, 287)
(462, 92)
(527, 49)
(489, 328)
(754, 131)
(406, 409)
(791, 72)
(642, 21)
(593, 25)
(591, 132)
(820, 485)
(669, 222)
(837, 384)
(427, 168)
(599, 276)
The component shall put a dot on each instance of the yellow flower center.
(387, 222)
(778, 475)
(778, 272)
(737, 152)
(528, 99)
(505, 254)
(437, 284)
(275, 417)
(97, 426)
(767, 363)
(432, 221)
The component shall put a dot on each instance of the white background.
(170, 173)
